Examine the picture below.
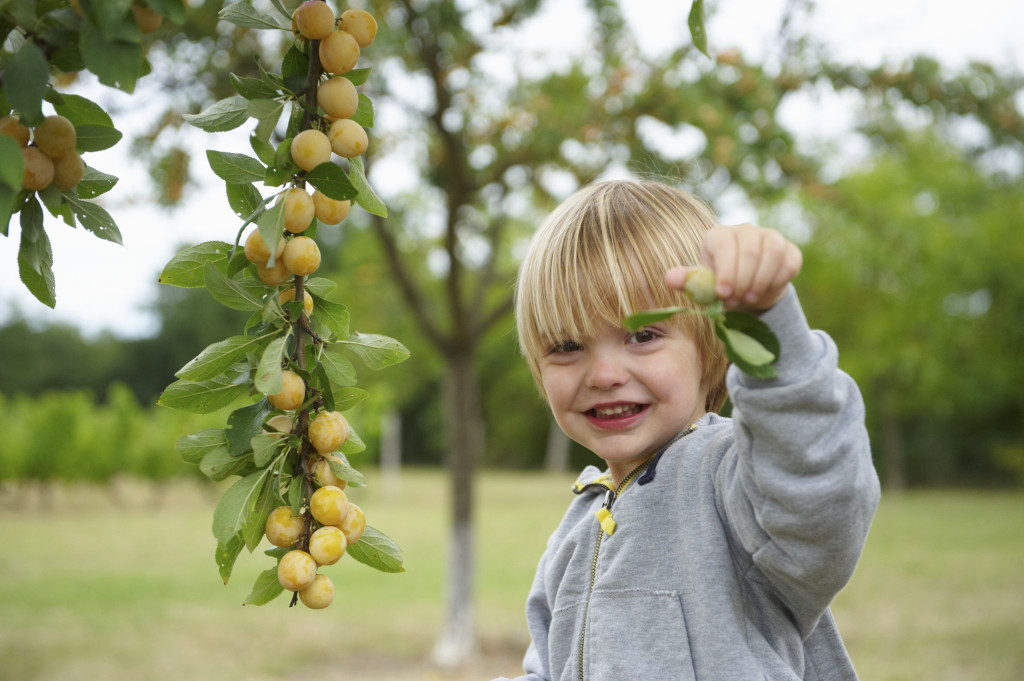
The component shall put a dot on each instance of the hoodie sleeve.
(798, 486)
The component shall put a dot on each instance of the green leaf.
(340, 371)
(25, 78)
(237, 503)
(752, 326)
(35, 257)
(698, 30)
(227, 114)
(331, 316)
(96, 137)
(268, 373)
(294, 69)
(263, 149)
(332, 181)
(348, 397)
(218, 357)
(265, 589)
(320, 287)
(376, 351)
(227, 553)
(264, 447)
(12, 164)
(187, 268)
(204, 397)
(358, 76)
(116, 62)
(229, 292)
(235, 168)
(243, 14)
(271, 226)
(378, 551)
(354, 444)
(364, 112)
(172, 10)
(267, 113)
(244, 424)
(192, 448)
(244, 199)
(94, 218)
(219, 464)
(746, 353)
(255, 522)
(639, 320)
(253, 88)
(343, 469)
(94, 183)
(366, 197)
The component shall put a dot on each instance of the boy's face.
(622, 394)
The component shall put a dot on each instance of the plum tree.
(330, 211)
(38, 169)
(297, 570)
(284, 527)
(327, 545)
(339, 52)
(301, 255)
(310, 148)
(68, 171)
(12, 127)
(360, 24)
(323, 476)
(319, 594)
(337, 97)
(55, 136)
(288, 295)
(298, 208)
(314, 19)
(292, 394)
(354, 524)
(347, 138)
(328, 431)
(256, 250)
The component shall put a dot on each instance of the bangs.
(601, 256)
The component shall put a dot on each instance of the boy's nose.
(605, 372)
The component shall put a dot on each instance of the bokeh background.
(886, 139)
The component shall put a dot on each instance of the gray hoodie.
(727, 548)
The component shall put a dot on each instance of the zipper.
(606, 526)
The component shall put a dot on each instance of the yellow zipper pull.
(604, 516)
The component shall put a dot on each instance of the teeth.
(617, 410)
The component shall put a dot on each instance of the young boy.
(710, 547)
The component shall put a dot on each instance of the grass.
(93, 589)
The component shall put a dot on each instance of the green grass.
(91, 589)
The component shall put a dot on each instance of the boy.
(711, 547)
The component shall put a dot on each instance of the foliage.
(42, 41)
(246, 372)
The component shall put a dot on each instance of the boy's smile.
(622, 394)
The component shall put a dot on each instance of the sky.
(102, 286)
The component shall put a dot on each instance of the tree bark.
(464, 426)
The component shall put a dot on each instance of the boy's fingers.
(676, 277)
(769, 268)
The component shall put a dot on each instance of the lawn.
(99, 586)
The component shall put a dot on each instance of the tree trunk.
(556, 454)
(464, 427)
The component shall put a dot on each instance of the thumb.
(675, 277)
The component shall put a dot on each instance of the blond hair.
(601, 256)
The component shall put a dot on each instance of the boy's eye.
(566, 346)
(643, 336)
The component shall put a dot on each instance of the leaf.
(320, 287)
(82, 111)
(116, 62)
(358, 76)
(227, 114)
(364, 112)
(376, 351)
(746, 353)
(187, 268)
(294, 70)
(244, 199)
(253, 88)
(235, 168)
(698, 30)
(25, 78)
(219, 464)
(267, 113)
(35, 257)
(255, 522)
(245, 15)
(172, 10)
(753, 327)
(331, 316)
(12, 163)
(192, 448)
(204, 397)
(264, 150)
(96, 137)
(229, 292)
(94, 218)
(227, 553)
(94, 183)
(264, 446)
(265, 589)
(343, 469)
(346, 398)
(244, 424)
(340, 371)
(268, 372)
(332, 181)
(366, 197)
(237, 503)
(271, 225)
(378, 551)
(217, 357)
(637, 321)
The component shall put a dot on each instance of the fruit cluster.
(337, 522)
(49, 152)
(340, 39)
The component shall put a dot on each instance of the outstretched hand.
(752, 266)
